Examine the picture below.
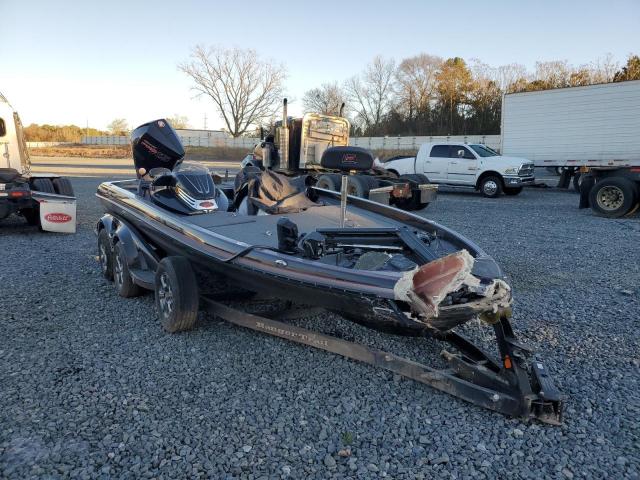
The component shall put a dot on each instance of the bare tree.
(553, 74)
(508, 76)
(326, 99)
(178, 121)
(604, 68)
(371, 93)
(416, 77)
(119, 126)
(245, 89)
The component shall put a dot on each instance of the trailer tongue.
(512, 386)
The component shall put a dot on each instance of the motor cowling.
(188, 189)
(155, 145)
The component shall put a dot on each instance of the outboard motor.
(155, 145)
(184, 188)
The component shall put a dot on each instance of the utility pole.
(205, 121)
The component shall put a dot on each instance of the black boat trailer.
(509, 387)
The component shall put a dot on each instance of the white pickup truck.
(470, 165)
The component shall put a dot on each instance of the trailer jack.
(510, 386)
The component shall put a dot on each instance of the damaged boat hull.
(369, 297)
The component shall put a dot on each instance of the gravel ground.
(91, 387)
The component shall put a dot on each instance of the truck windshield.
(484, 151)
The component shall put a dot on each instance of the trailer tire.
(44, 185)
(31, 215)
(105, 255)
(585, 188)
(491, 186)
(577, 181)
(512, 190)
(124, 283)
(63, 186)
(357, 186)
(372, 181)
(329, 181)
(613, 197)
(176, 294)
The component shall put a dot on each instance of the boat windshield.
(484, 151)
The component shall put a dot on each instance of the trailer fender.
(106, 222)
(137, 251)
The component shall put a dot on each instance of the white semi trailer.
(592, 130)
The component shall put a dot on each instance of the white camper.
(45, 200)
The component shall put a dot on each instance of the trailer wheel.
(121, 276)
(512, 190)
(105, 255)
(63, 186)
(44, 185)
(329, 181)
(491, 186)
(357, 186)
(31, 215)
(613, 197)
(577, 181)
(176, 293)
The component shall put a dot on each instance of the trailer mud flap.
(57, 212)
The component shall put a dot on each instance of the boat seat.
(268, 192)
(8, 174)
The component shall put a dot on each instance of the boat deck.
(262, 229)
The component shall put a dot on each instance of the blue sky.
(72, 62)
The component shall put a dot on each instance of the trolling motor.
(348, 160)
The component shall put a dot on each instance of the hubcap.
(610, 198)
(103, 258)
(165, 295)
(490, 187)
(118, 271)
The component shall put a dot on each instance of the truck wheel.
(63, 186)
(613, 197)
(122, 277)
(577, 181)
(491, 186)
(512, 190)
(44, 185)
(105, 255)
(31, 215)
(329, 181)
(358, 186)
(176, 291)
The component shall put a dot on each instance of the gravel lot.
(91, 387)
